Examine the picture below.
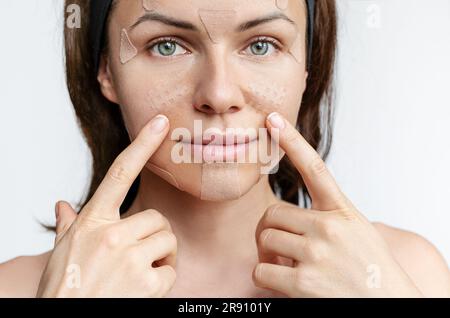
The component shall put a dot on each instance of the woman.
(153, 226)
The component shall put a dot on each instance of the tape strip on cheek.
(127, 50)
(216, 22)
(220, 181)
(164, 174)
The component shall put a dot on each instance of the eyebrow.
(269, 18)
(154, 16)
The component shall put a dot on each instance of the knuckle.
(118, 172)
(172, 241)
(272, 211)
(110, 238)
(328, 227)
(263, 240)
(309, 250)
(155, 217)
(318, 166)
(313, 252)
(167, 237)
(258, 274)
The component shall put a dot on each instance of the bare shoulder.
(419, 258)
(20, 276)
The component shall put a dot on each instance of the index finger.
(322, 187)
(126, 167)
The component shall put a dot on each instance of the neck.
(214, 230)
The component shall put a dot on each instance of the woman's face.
(215, 69)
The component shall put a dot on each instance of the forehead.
(127, 12)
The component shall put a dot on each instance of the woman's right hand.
(98, 254)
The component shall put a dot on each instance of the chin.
(217, 182)
(226, 187)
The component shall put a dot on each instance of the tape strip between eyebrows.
(216, 22)
(150, 5)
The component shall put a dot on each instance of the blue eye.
(263, 47)
(260, 48)
(167, 48)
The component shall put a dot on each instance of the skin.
(255, 246)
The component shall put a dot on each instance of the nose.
(217, 91)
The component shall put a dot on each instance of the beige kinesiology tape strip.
(150, 5)
(216, 22)
(127, 50)
(282, 4)
(220, 181)
(295, 49)
(164, 174)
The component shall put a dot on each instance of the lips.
(221, 147)
(221, 140)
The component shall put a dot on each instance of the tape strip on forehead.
(150, 5)
(282, 4)
(216, 22)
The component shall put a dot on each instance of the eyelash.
(158, 41)
(277, 46)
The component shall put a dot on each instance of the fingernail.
(158, 124)
(276, 120)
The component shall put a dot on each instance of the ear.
(105, 80)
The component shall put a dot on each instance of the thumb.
(65, 215)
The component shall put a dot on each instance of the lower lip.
(222, 153)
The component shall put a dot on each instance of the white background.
(391, 144)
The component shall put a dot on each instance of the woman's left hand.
(331, 250)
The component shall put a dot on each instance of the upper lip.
(220, 139)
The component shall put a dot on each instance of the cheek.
(266, 97)
(275, 94)
(144, 94)
(167, 97)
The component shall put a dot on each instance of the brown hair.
(103, 127)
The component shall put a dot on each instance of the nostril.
(210, 110)
(234, 109)
(206, 108)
